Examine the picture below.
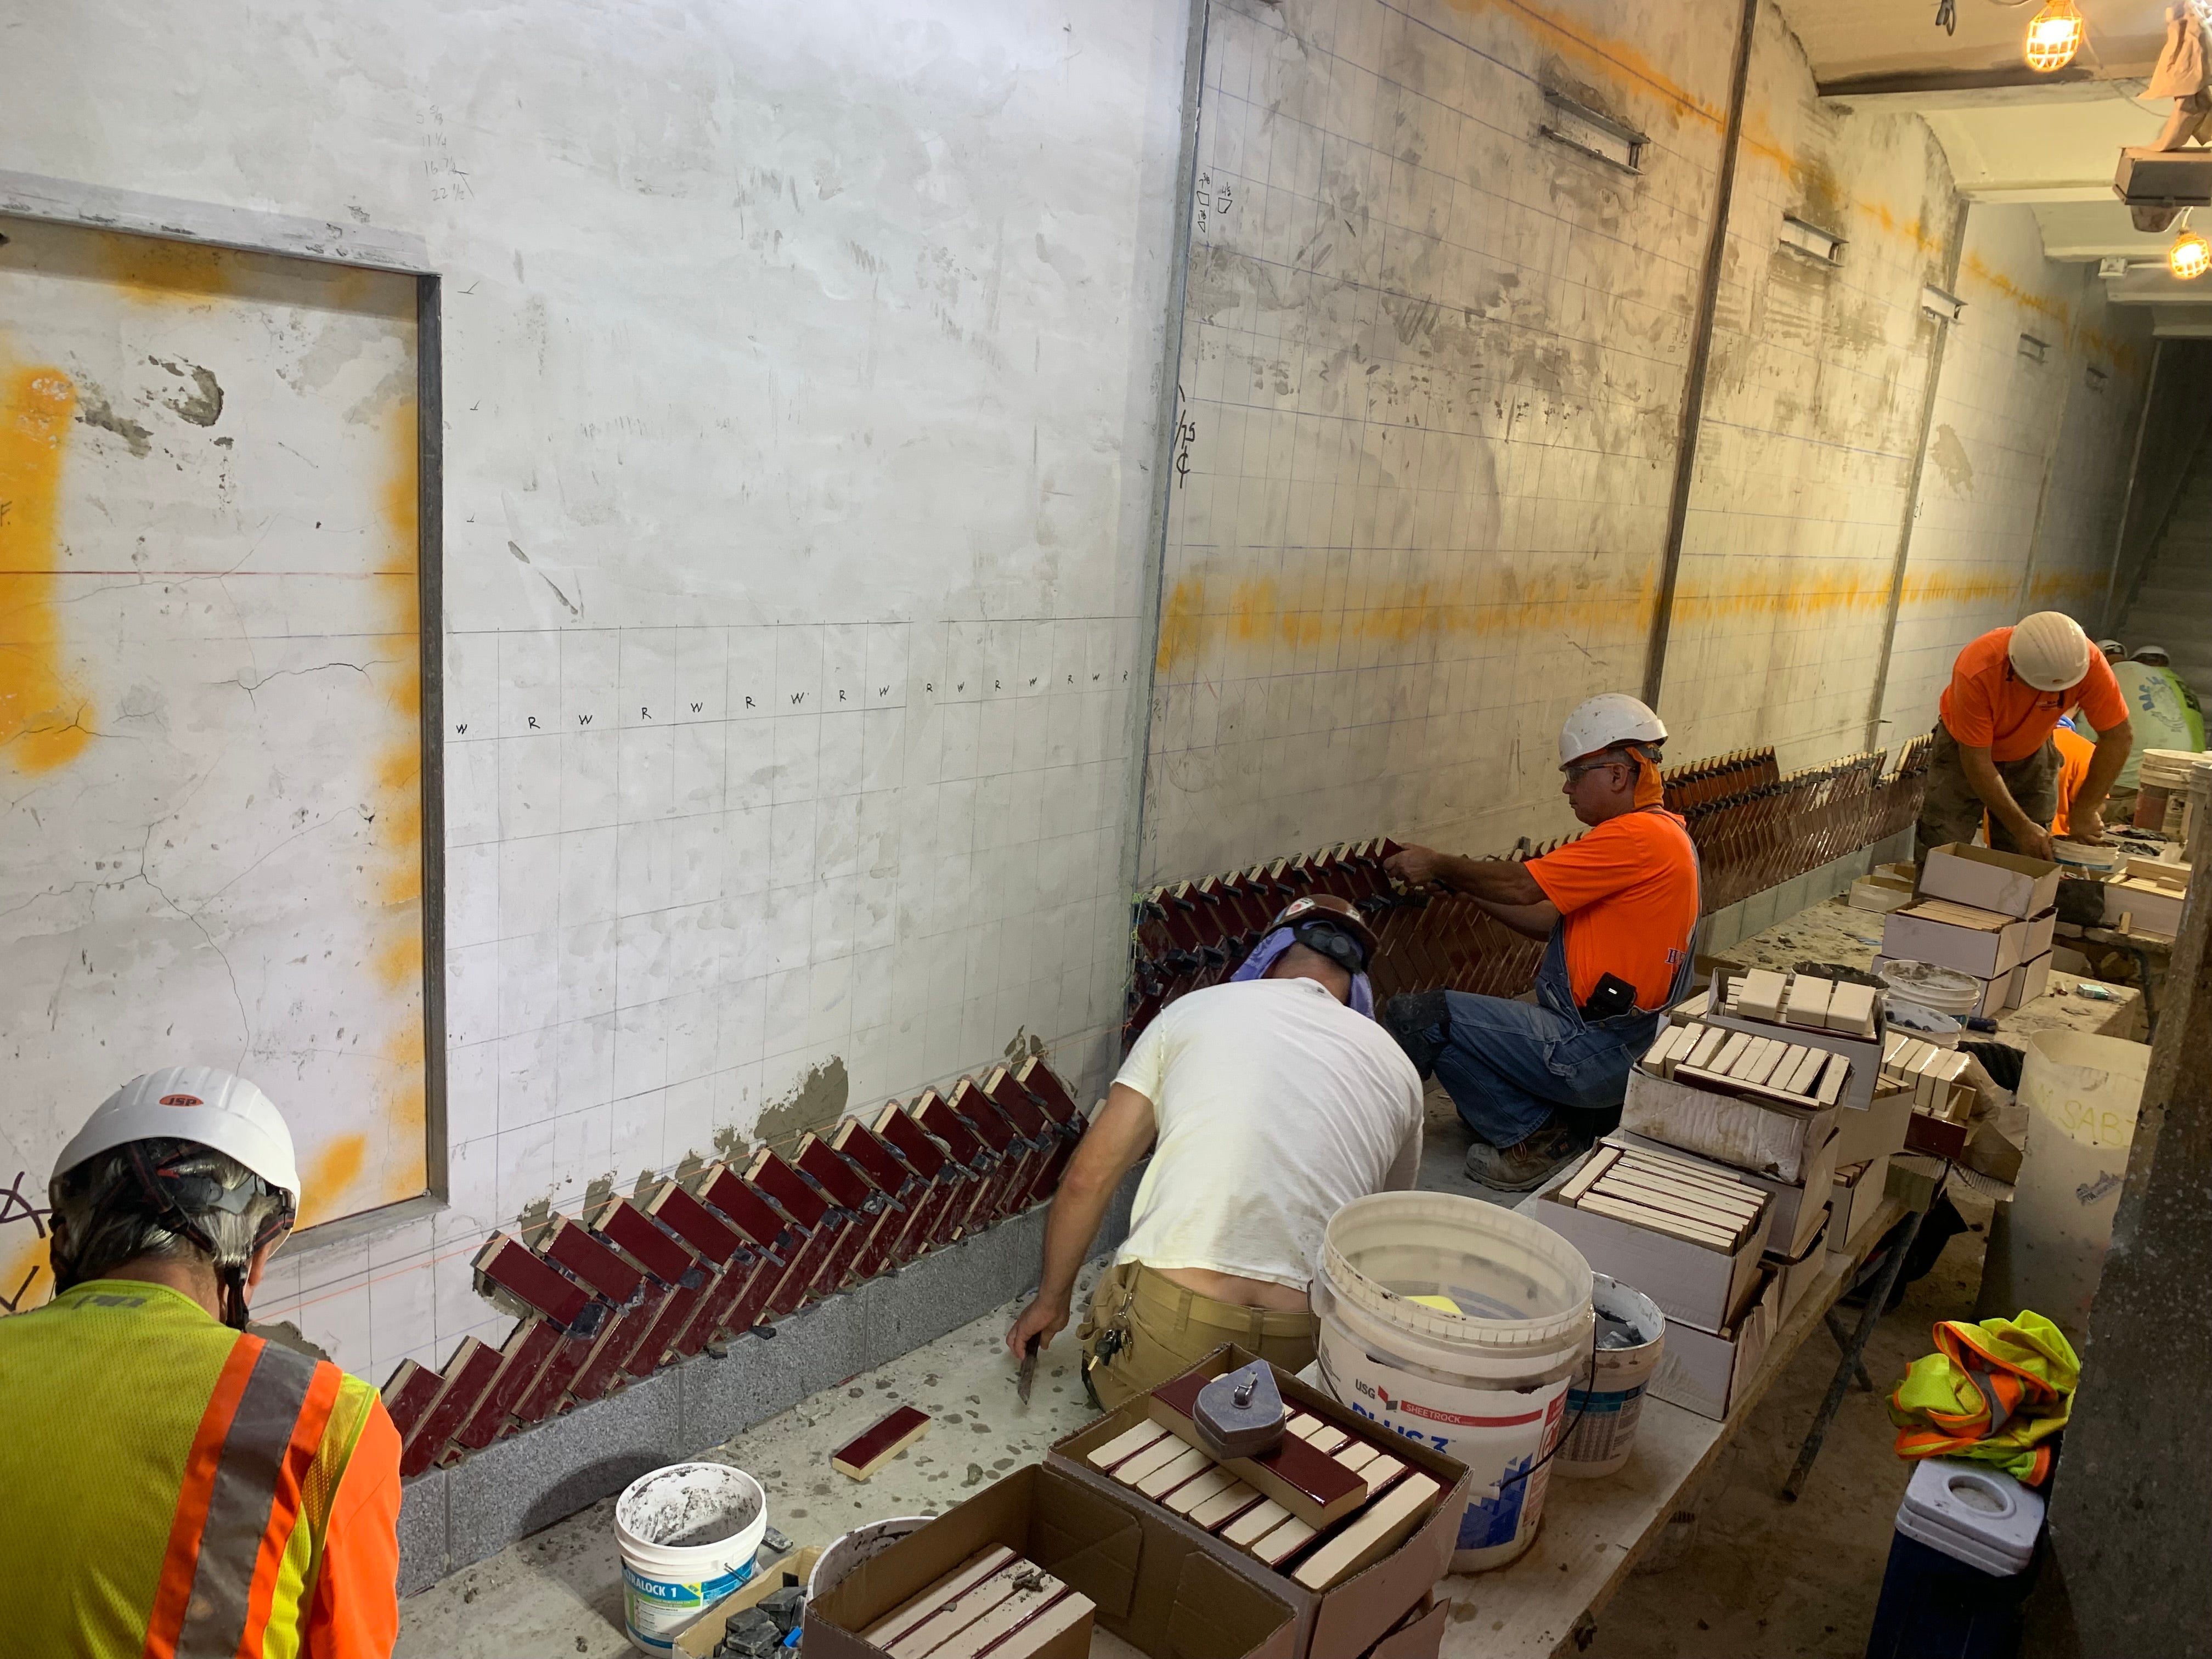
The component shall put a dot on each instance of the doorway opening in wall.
(219, 564)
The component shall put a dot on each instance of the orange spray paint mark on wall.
(332, 1172)
(1264, 613)
(44, 716)
(159, 270)
(404, 1108)
(26, 1280)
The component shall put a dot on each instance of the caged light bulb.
(2054, 37)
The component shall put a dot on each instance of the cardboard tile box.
(1858, 1195)
(1712, 1006)
(1793, 1219)
(1695, 1279)
(1706, 1371)
(1772, 1139)
(2009, 884)
(1163, 1591)
(1349, 1617)
(1984, 943)
(1794, 1273)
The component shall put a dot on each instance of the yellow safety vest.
(168, 1480)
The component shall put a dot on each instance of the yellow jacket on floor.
(1992, 1393)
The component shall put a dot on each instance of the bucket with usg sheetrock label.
(1607, 1400)
(688, 1535)
(1459, 1324)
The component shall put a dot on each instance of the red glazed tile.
(860, 1457)
(674, 1208)
(468, 1374)
(572, 1247)
(507, 1263)
(409, 1395)
(523, 1358)
(642, 1244)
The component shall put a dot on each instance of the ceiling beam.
(2171, 322)
(2081, 189)
(1921, 90)
(2154, 285)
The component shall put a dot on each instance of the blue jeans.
(1509, 1066)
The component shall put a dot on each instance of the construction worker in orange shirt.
(179, 1488)
(1617, 910)
(1993, 752)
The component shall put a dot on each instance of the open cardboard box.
(1696, 1284)
(1348, 1618)
(1864, 1053)
(2010, 883)
(1705, 1371)
(698, 1641)
(1166, 1595)
(1793, 1219)
(1764, 1136)
(1986, 944)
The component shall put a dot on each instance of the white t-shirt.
(1277, 1106)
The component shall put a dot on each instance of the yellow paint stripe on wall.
(44, 717)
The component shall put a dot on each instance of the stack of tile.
(1322, 1506)
(1942, 1101)
(1688, 1233)
(1754, 1067)
(1982, 913)
(650, 1281)
(993, 1603)
(1753, 829)
(2145, 897)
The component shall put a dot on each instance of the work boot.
(1410, 1019)
(1528, 1163)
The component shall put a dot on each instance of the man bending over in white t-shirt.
(1270, 1102)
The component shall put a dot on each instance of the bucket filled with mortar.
(688, 1535)
(1606, 1400)
(1459, 1324)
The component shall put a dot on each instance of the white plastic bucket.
(688, 1535)
(848, 1550)
(1486, 1385)
(1603, 1409)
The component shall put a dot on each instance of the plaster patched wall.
(1811, 424)
(209, 747)
(2027, 458)
(1431, 381)
(800, 369)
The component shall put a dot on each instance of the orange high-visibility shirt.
(1987, 706)
(1627, 893)
(2075, 754)
(180, 1489)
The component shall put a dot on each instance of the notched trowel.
(1240, 1414)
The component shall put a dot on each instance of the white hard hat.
(2145, 653)
(2112, 648)
(192, 1102)
(1610, 718)
(2050, 651)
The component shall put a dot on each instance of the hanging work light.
(2054, 37)
(2190, 256)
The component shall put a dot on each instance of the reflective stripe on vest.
(238, 1502)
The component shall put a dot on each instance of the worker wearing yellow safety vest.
(179, 1489)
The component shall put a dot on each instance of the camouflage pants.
(1951, 810)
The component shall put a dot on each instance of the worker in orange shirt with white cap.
(180, 1487)
(1993, 749)
(1533, 1082)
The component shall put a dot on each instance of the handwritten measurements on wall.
(1213, 197)
(586, 682)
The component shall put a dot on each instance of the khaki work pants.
(1952, 812)
(1166, 1329)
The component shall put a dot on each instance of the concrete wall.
(2026, 462)
(801, 368)
(1431, 380)
(1811, 418)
